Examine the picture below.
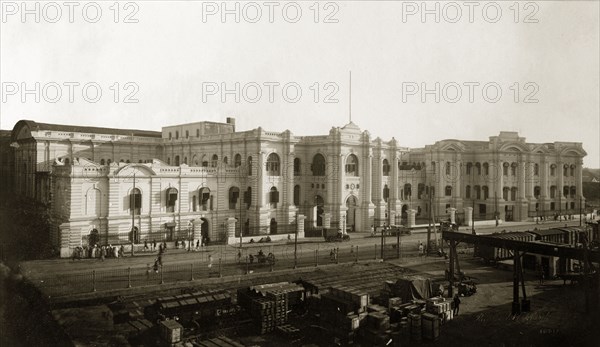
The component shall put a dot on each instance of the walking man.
(456, 304)
(421, 248)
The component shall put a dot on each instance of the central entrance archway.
(320, 203)
(273, 226)
(205, 230)
(93, 238)
(351, 203)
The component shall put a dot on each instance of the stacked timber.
(268, 308)
(441, 308)
(343, 311)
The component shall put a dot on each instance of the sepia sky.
(532, 67)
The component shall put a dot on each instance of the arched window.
(102, 162)
(176, 160)
(225, 160)
(128, 161)
(249, 164)
(468, 192)
(513, 193)
(273, 197)
(505, 169)
(486, 169)
(273, 165)
(135, 202)
(248, 197)
(486, 192)
(296, 166)
(185, 160)
(296, 195)
(433, 166)
(171, 199)
(407, 191)
(537, 191)
(565, 170)
(109, 161)
(386, 193)
(505, 192)
(448, 168)
(469, 168)
(478, 167)
(214, 161)
(566, 191)
(237, 160)
(168, 160)
(318, 165)
(204, 195)
(477, 192)
(552, 192)
(204, 161)
(513, 169)
(176, 134)
(572, 170)
(386, 167)
(448, 191)
(352, 165)
(553, 170)
(536, 169)
(234, 194)
(420, 190)
(573, 192)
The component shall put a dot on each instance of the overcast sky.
(177, 56)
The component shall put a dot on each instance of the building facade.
(207, 181)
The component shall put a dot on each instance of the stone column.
(469, 216)
(289, 180)
(367, 180)
(452, 215)
(578, 180)
(230, 225)
(394, 184)
(300, 225)
(561, 182)
(197, 226)
(327, 220)
(260, 194)
(411, 218)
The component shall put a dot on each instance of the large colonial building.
(207, 180)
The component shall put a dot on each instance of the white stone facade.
(206, 179)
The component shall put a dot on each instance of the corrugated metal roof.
(548, 232)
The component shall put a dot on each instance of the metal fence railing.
(228, 262)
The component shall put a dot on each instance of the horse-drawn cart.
(335, 235)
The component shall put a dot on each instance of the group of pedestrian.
(99, 252)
